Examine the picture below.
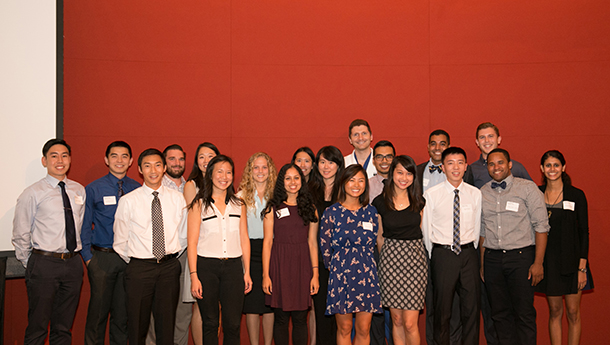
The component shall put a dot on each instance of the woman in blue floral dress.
(348, 234)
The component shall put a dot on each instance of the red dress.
(290, 264)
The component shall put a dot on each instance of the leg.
(573, 313)
(268, 328)
(312, 325)
(455, 321)
(118, 333)
(325, 325)
(140, 279)
(388, 326)
(499, 297)
(468, 289)
(411, 326)
(184, 310)
(196, 325)
(253, 325)
(398, 326)
(101, 283)
(66, 301)
(378, 329)
(280, 327)
(344, 328)
(555, 316)
(231, 300)
(208, 271)
(41, 286)
(488, 325)
(299, 327)
(445, 274)
(167, 293)
(522, 293)
(363, 328)
(429, 305)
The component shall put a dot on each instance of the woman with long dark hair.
(324, 186)
(219, 252)
(305, 159)
(566, 265)
(348, 235)
(290, 272)
(403, 268)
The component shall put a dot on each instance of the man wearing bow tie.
(514, 228)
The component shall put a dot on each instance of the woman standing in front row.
(290, 272)
(348, 235)
(565, 261)
(256, 188)
(403, 268)
(219, 252)
(324, 185)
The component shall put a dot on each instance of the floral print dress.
(347, 240)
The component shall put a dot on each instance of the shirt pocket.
(211, 224)
(234, 220)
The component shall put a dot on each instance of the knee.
(397, 320)
(411, 326)
(363, 331)
(344, 329)
(556, 311)
(573, 314)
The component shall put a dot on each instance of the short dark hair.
(348, 173)
(118, 143)
(454, 150)
(358, 122)
(150, 152)
(502, 151)
(47, 146)
(173, 147)
(487, 125)
(384, 143)
(440, 132)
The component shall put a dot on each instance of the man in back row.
(360, 137)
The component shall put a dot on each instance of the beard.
(175, 172)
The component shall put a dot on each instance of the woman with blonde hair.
(256, 188)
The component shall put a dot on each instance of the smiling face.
(292, 182)
(118, 161)
(360, 137)
(204, 156)
(436, 146)
(402, 177)
(552, 169)
(303, 161)
(175, 163)
(57, 161)
(487, 140)
(328, 169)
(260, 170)
(383, 159)
(454, 167)
(222, 176)
(152, 170)
(498, 166)
(356, 185)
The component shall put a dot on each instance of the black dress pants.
(453, 273)
(511, 294)
(155, 287)
(106, 272)
(53, 287)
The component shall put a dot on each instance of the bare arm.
(245, 248)
(192, 238)
(312, 240)
(536, 271)
(380, 235)
(190, 191)
(267, 245)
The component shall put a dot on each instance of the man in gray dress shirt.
(46, 236)
(514, 228)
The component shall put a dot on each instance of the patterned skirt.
(403, 274)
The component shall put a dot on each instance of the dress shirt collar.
(149, 190)
(509, 183)
(113, 178)
(450, 188)
(482, 161)
(53, 181)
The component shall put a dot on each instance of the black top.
(398, 225)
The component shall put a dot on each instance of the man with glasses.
(383, 155)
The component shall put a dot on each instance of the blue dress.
(347, 241)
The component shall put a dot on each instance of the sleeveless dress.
(290, 263)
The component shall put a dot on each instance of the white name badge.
(569, 205)
(466, 207)
(367, 226)
(78, 200)
(110, 200)
(426, 182)
(512, 206)
(285, 212)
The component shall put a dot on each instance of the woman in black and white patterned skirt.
(403, 269)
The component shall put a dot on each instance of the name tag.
(367, 226)
(285, 212)
(110, 200)
(426, 182)
(512, 206)
(78, 200)
(569, 205)
(466, 207)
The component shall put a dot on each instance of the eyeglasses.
(388, 158)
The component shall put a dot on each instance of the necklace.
(554, 203)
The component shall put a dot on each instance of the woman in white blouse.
(219, 252)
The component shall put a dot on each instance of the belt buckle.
(64, 256)
(452, 246)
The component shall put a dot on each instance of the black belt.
(103, 249)
(450, 247)
(158, 261)
(63, 256)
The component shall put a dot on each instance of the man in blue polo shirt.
(105, 268)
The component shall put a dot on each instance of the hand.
(196, 288)
(87, 262)
(536, 273)
(482, 273)
(267, 285)
(314, 286)
(582, 280)
(247, 283)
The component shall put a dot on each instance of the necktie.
(70, 228)
(158, 234)
(433, 168)
(495, 185)
(121, 192)
(456, 248)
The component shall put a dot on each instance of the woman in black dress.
(403, 268)
(565, 262)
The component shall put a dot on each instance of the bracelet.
(314, 267)
(583, 270)
(193, 272)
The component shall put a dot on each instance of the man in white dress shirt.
(360, 137)
(147, 235)
(451, 225)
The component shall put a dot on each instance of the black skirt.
(254, 302)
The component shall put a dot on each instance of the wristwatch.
(583, 270)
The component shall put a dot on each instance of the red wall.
(272, 75)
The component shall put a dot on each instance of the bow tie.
(495, 185)
(432, 168)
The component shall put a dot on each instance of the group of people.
(348, 249)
